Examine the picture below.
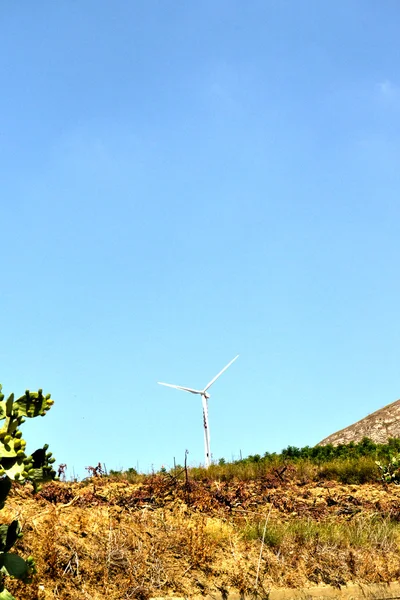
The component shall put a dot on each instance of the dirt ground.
(113, 539)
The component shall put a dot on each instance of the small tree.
(16, 465)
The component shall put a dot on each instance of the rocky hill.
(379, 426)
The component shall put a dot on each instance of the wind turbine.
(204, 398)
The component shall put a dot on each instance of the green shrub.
(349, 470)
(347, 463)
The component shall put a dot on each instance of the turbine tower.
(204, 398)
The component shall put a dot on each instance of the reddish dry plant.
(166, 536)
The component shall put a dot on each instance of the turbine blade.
(180, 387)
(219, 374)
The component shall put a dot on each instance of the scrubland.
(248, 527)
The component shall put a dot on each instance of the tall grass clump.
(361, 532)
(349, 470)
(272, 535)
(242, 470)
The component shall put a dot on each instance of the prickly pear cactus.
(15, 464)
(390, 470)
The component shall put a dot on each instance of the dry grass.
(362, 532)
(163, 537)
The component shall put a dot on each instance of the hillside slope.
(379, 427)
(163, 536)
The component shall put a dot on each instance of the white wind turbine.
(204, 397)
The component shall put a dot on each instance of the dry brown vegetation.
(116, 539)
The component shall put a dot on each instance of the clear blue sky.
(185, 181)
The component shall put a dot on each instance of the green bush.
(350, 470)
